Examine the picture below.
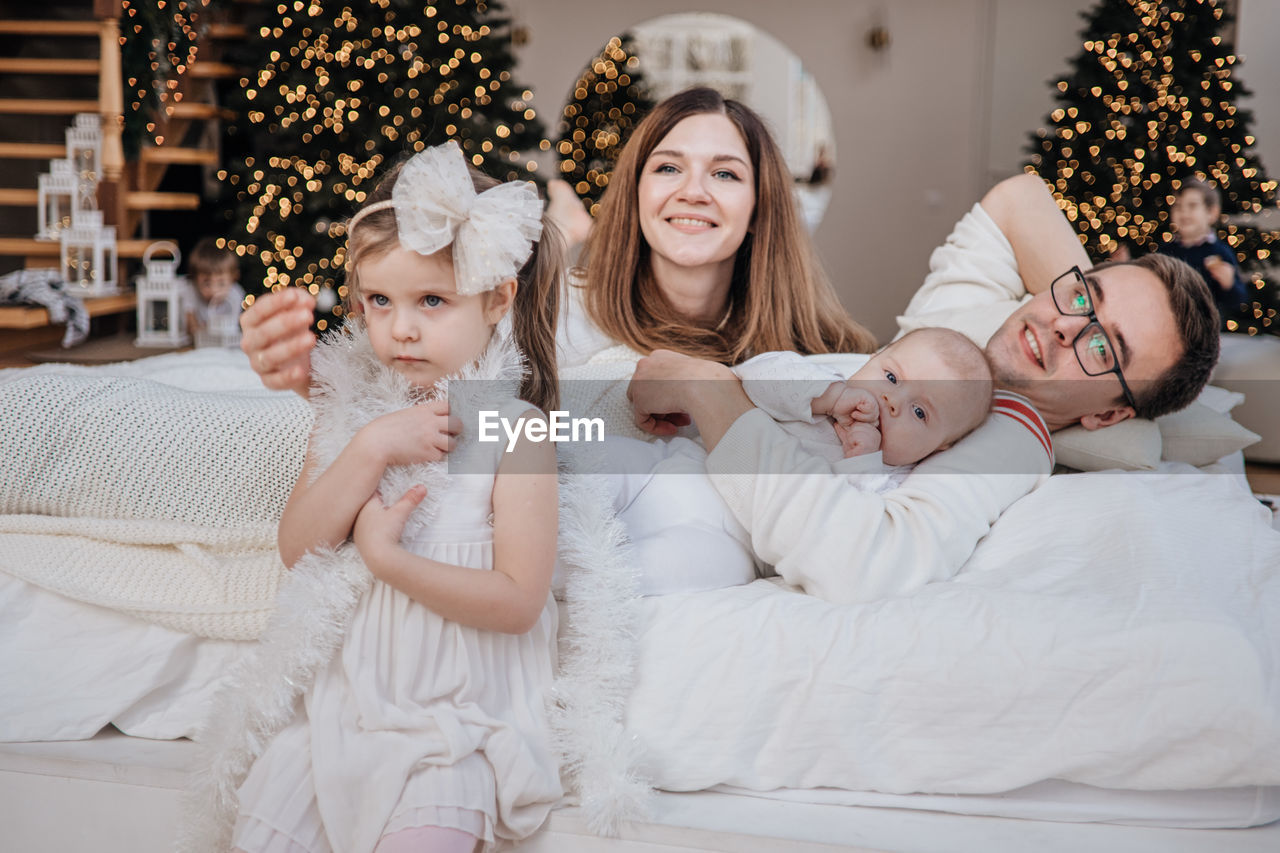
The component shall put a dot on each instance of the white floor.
(122, 794)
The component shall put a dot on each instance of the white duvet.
(1119, 630)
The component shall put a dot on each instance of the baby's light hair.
(968, 363)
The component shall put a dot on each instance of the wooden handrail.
(110, 90)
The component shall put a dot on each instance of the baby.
(918, 395)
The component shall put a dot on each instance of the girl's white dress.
(417, 721)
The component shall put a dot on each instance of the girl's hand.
(277, 338)
(378, 528)
(422, 433)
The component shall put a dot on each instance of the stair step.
(161, 201)
(20, 246)
(180, 156)
(33, 317)
(49, 28)
(10, 197)
(227, 31)
(212, 70)
(48, 65)
(45, 107)
(193, 110)
(32, 151)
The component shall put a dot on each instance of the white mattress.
(117, 793)
(1066, 802)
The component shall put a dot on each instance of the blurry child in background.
(1195, 222)
(214, 300)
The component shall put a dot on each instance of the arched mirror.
(662, 56)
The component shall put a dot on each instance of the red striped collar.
(1020, 409)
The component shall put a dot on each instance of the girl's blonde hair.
(534, 311)
(779, 296)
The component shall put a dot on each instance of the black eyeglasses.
(1073, 296)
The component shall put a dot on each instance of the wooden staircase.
(88, 58)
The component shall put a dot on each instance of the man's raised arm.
(1044, 243)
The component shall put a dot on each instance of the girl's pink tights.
(428, 839)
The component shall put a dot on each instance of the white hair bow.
(436, 204)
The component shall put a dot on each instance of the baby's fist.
(858, 438)
(855, 405)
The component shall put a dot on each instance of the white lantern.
(84, 146)
(55, 198)
(89, 255)
(161, 319)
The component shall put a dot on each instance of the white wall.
(1033, 45)
(1258, 32)
(922, 128)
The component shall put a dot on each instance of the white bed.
(120, 794)
(69, 669)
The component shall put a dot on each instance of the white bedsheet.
(67, 669)
(1117, 630)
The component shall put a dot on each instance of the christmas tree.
(338, 91)
(608, 100)
(1151, 101)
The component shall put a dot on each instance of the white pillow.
(1200, 434)
(85, 445)
(1129, 445)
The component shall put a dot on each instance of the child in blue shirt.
(1195, 219)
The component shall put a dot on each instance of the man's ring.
(262, 361)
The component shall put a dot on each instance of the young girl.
(426, 730)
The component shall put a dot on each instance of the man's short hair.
(1196, 318)
(1208, 192)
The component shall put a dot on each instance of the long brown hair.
(534, 311)
(779, 296)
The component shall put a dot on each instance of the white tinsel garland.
(598, 648)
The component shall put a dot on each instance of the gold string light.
(160, 42)
(608, 99)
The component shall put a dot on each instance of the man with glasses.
(1014, 278)
(1068, 344)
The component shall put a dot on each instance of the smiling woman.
(697, 196)
(698, 246)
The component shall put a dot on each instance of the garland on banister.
(159, 41)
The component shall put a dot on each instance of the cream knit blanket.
(152, 488)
